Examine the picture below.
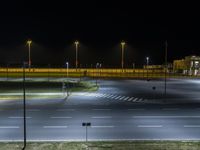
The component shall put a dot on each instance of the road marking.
(113, 96)
(104, 95)
(102, 126)
(101, 109)
(54, 117)
(137, 109)
(117, 97)
(19, 117)
(135, 99)
(61, 127)
(97, 95)
(33, 110)
(110, 96)
(170, 108)
(126, 98)
(191, 126)
(65, 110)
(149, 126)
(9, 127)
(141, 99)
(122, 97)
(130, 98)
(101, 117)
(165, 116)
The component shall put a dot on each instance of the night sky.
(100, 26)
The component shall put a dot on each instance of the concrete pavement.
(114, 113)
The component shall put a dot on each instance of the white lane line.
(55, 127)
(9, 127)
(126, 98)
(101, 109)
(101, 117)
(170, 108)
(33, 110)
(102, 126)
(165, 116)
(136, 109)
(65, 110)
(149, 126)
(16, 117)
(63, 117)
(191, 126)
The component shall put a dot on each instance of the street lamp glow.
(123, 43)
(147, 58)
(76, 44)
(122, 48)
(67, 68)
(29, 42)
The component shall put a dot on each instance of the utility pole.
(166, 45)
(24, 106)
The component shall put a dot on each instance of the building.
(190, 65)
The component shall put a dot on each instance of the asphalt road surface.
(119, 110)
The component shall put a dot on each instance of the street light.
(166, 46)
(76, 44)
(122, 48)
(97, 65)
(147, 58)
(29, 42)
(67, 64)
(24, 104)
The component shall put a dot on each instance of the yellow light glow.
(29, 42)
(76, 42)
(123, 43)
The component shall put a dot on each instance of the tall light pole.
(24, 105)
(29, 42)
(147, 58)
(67, 64)
(97, 65)
(76, 44)
(166, 45)
(122, 48)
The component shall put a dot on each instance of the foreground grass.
(126, 145)
(40, 87)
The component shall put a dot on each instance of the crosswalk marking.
(130, 98)
(140, 99)
(110, 96)
(122, 97)
(126, 98)
(116, 97)
(113, 96)
(135, 99)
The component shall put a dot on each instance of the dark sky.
(99, 26)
